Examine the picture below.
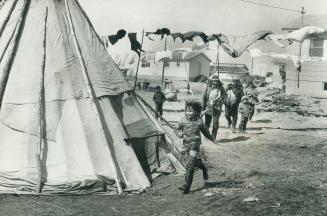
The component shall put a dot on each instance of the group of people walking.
(190, 127)
(234, 98)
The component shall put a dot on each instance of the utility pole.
(163, 66)
(300, 51)
(138, 62)
(218, 61)
(302, 12)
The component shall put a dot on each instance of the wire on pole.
(272, 6)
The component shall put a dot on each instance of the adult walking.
(234, 94)
(213, 94)
(252, 94)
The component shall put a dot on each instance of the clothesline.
(232, 45)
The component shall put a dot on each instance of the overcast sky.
(229, 16)
(211, 16)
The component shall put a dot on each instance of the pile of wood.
(280, 103)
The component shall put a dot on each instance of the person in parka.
(234, 94)
(252, 94)
(189, 129)
(159, 98)
(245, 110)
(213, 94)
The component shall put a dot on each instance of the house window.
(325, 86)
(316, 48)
(145, 64)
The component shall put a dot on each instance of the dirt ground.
(280, 161)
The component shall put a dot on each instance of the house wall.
(312, 76)
(155, 69)
(174, 72)
(276, 78)
(229, 77)
(311, 79)
(204, 67)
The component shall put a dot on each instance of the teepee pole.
(2, 28)
(95, 103)
(8, 43)
(13, 49)
(41, 108)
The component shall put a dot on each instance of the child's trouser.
(244, 121)
(158, 110)
(252, 109)
(191, 164)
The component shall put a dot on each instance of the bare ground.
(281, 161)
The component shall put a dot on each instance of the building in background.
(188, 67)
(311, 78)
(230, 71)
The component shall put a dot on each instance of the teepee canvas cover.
(61, 125)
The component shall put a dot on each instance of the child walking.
(245, 110)
(159, 98)
(190, 128)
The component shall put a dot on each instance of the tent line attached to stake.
(93, 98)
(40, 154)
(6, 70)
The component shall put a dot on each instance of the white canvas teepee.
(62, 123)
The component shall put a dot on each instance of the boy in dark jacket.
(245, 110)
(190, 128)
(159, 98)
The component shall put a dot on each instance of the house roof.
(231, 68)
(315, 20)
(178, 56)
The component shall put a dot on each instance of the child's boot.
(214, 133)
(205, 174)
(184, 189)
(189, 175)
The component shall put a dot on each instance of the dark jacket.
(192, 130)
(159, 98)
(238, 91)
